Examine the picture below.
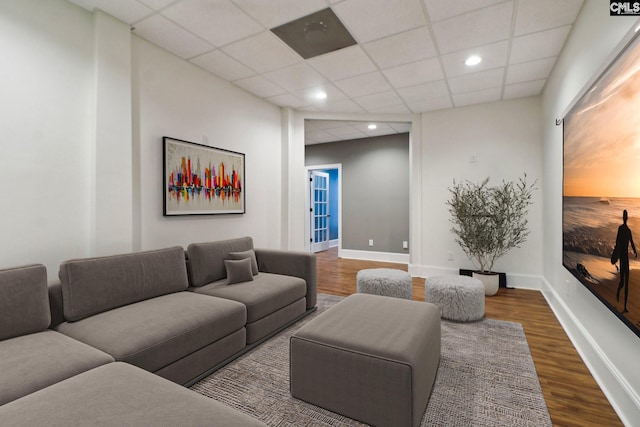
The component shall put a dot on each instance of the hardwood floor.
(572, 395)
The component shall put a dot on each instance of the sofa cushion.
(35, 361)
(156, 332)
(251, 254)
(119, 394)
(238, 271)
(266, 294)
(24, 301)
(94, 285)
(206, 260)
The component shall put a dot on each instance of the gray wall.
(375, 189)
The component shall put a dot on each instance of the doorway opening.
(324, 207)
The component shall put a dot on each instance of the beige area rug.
(486, 377)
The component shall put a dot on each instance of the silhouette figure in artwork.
(621, 252)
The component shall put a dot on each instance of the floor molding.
(374, 256)
(618, 391)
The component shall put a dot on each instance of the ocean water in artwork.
(590, 225)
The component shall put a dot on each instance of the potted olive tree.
(489, 221)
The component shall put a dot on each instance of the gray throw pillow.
(246, 254)
(238, 271)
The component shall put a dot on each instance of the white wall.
(46, 82)
(75, 87)
(608, 347)
(506, 139)
(112, 199)
(174, 98)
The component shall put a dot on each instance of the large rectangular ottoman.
(371, 358)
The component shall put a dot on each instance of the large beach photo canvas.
(601, 188)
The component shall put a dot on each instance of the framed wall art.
(601, 188)
(201, 180)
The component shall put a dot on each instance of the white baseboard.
(624, 400)
(520, 281)
(334, 243)
(374, 256)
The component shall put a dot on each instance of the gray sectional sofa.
(277, 289)
(178, 314)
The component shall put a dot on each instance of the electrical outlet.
(370, 242)
(405, 244)
(450, 256)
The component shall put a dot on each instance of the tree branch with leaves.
(490, 221)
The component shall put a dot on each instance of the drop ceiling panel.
(476, 28)
(538, 15)
(401, 127)
(402, 48)
(424, 91)
(443, 9)
(373, 19)
(545, 44)
(157, 4)
(364, 84)
(523, 90)
(344, 105)
(125, 10)
(162, 32)
(222, 65)
(309, 94)
(379, 100)
(476, 81)
(424, 71)
(288, 100)
(430, 104)
(263, 52)
(231, 25)
(344, 63)
(477, 97)
(298, 76)
(346, 132)
(391, 109)
(260, 86)
(272, 13)
(528, 71)
(493, 56)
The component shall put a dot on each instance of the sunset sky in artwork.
(602, 135)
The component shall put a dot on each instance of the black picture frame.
(201, 180)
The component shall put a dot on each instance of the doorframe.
(307, 201)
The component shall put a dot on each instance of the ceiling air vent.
(315, 34)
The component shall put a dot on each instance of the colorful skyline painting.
(199, 179)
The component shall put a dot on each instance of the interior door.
(319, 197)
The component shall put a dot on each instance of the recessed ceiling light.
(321, 95)
(473, 60)
(372, 126)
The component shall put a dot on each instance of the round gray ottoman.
(384, 281)
(460, 298)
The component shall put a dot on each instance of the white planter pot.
(490, 281)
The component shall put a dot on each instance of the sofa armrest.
(291, 263)
(55, 304)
